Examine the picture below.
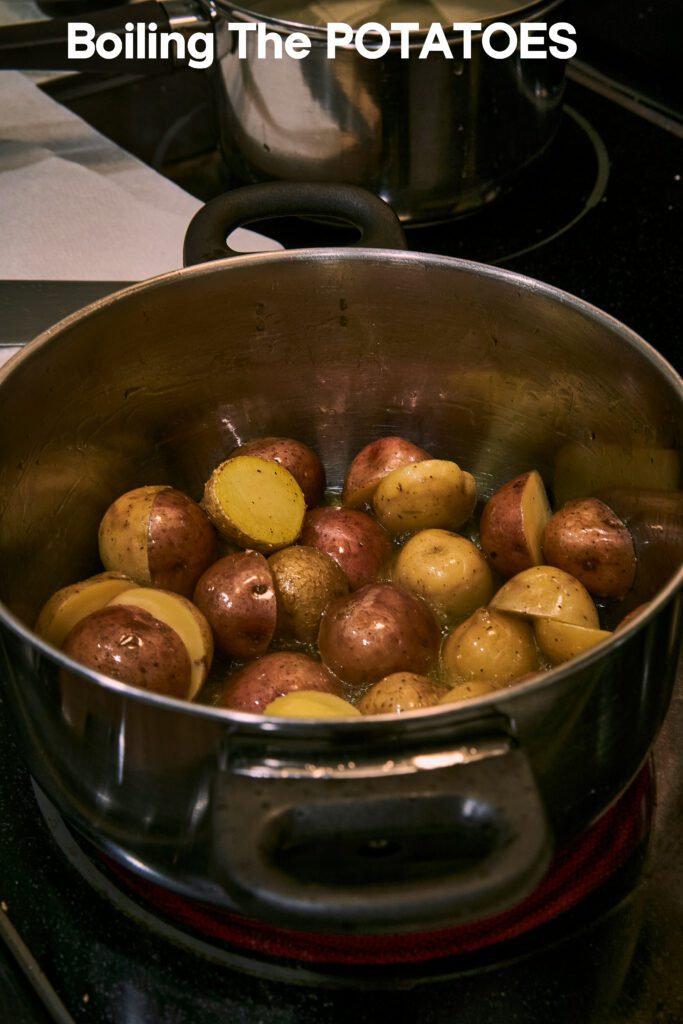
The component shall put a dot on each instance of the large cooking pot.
(378, 824)
(434, 137)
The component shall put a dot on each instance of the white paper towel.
(74, 206)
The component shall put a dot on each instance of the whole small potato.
(447, 570)
(512, 524)
(257, 685)
(425, 495)
(131, 645)
(589, 541)
(311, 704)
(69, 605)
(547, 591)
(301, 461)
(359, 545)
(376, 631)
(237, 596)
(184, 618)
(159, 537)
(375, 461)
(400, 692)
(305, 581)
(489, 646)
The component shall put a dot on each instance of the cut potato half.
(512, 524)
(187, 621)
(547, 592)
(255, 503)
(560, 641)
(69, 605)
(311, 704)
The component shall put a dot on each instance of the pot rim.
(518, 13)
(283, 727)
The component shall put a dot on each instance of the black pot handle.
(206, 237)
(42, 45)
(384, 851)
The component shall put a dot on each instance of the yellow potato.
(71, 604)
(447, 570)
(255, 503)
(547, 592)
(374, 461)
(560, 641)
(489, 646)
(425, 495)
(470, 690)
(311, 704)
(400, 692)
(186, 620)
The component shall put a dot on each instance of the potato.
(471, 690)
(560, 641)
(301, 461)
(400, 692)
(547, 592)
(255, 503)
(305, 581)
(180, 615)
(257, 685)
(425, 495)
(237, 596)
(447, 570)
(311, 704)
(376, 631)
(489, 646)
(158, 536)
(512, 524)
(589, 541)
(374, 462)
(359, 545)
(69, 605)
(131, 645)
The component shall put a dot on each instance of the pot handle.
(206, 236)
(429, 842)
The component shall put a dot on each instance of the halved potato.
(255, 503)
(589, 541)
(425, 495)
(560, 641)
(512, 524)
(373, 463)
(491, 646)
(547, 592)
(187, 621)
(69, 605)
(302, 462)
(311, 704)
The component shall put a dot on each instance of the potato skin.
(376, 631)
(359, 545)
(302, 462)
(511, 527)
(257, 685)
(447, 570)
(425, 495)
(375, 461)
(130, 645)
(400, 692)
(489, 646)
(182, 542)
(237, 596)
(589, 541)
(305, 581)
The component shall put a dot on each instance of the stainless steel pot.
(434, 137)
(381, 824)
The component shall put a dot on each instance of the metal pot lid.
(358, 12)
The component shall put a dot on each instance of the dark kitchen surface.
(599, 216)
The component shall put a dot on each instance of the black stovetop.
(599, 216)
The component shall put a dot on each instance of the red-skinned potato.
(359, 545)
(400, 692)
(589, 541)
(258, 684)
(376, 631)
(305, 581)
(373, 463)
(159, 537)
(302, 462)
(131, 645)
(512, 524)
(237, 596)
